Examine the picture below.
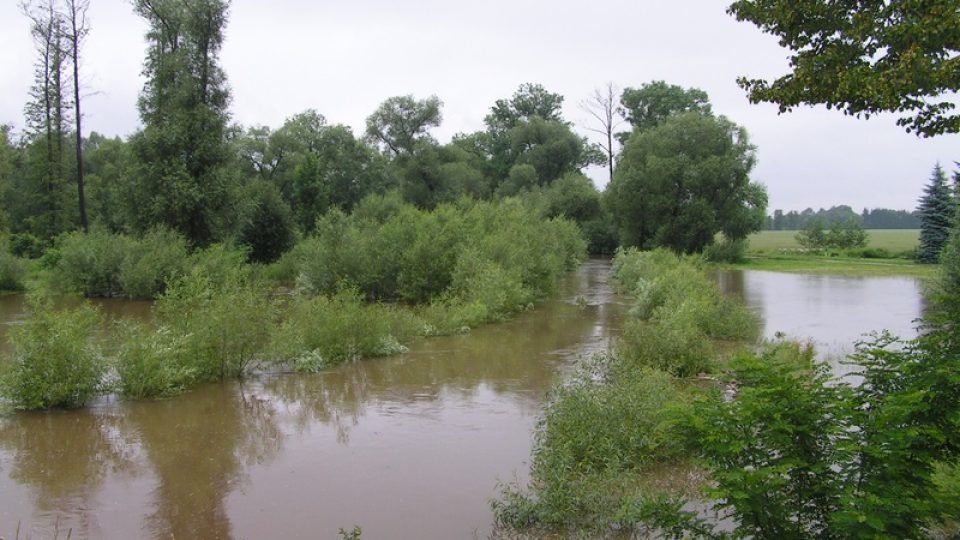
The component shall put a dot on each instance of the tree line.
(877, 218)
(192, 170)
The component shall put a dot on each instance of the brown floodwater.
(412, 446)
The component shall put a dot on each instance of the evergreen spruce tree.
(936, 210)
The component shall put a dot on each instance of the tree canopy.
(683, 181)
(401, 121)
(647, 106)
(864, 57)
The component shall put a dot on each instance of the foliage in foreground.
(54, 361)
(796, 452)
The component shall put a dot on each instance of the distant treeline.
(878, 218)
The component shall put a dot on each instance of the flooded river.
(411, 446)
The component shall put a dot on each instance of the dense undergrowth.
(777, 446)
(364, 285)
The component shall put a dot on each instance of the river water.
(412, 446)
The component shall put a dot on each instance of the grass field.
(779, 251)
(893, 240)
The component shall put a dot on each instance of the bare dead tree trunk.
(77, 16)
(602, 106)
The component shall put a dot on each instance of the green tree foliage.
(109, 166)
(840, 235)
(54, 361)
(47, 124)
(529, 129)
(863, 58)
(267, 230)
(401, 123)
(937, 210)
(551, 147)
(182, 151)
(530, 100)
(680, 183)
(316, 166)
(647, 106)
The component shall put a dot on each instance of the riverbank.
(839, 265)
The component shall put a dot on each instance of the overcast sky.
(344, 58)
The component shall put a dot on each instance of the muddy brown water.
(412, 446)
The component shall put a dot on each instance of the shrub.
(594, 427)
(675, 346)
(324, 331)
(26, 245)
(223, 320)
(847, 234)
(54, 361)
(152, 362)
(152, 263)
(89, 264)
(726, 251)
(11, 270)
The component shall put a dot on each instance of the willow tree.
(182, 151)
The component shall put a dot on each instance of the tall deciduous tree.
(864, 57)
(680, 183)
(528, 101)
(647, 106)
(182, 149)
(401, 122)
(937, 210)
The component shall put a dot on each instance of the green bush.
(89, 264)
(152, 262)
(393, 251)
(267, 228)
(223, 320)
(11, 270)
(26, 245)
(54, 360)
(726, 251)
(592, 427)
(151, 362)
(676, 346)
(103, 264)
(324, 331)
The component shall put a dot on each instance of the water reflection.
(199, 447)
(380, 443)
(831, 311)
(62, 458)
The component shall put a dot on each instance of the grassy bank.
(893, 240)
(889, 252)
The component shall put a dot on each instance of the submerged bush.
(595, 437)
(152, 362)
(324, 331)
(223, 322)
(54, 361)
(389, 250)
(726, 251)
